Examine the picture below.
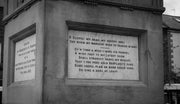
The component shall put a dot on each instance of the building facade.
(1, 47)
(171, 33)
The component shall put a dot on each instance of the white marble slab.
(25, 59)
(102, 56)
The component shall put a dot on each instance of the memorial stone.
(25, 59)
(94, 55)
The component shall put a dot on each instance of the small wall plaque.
(25, 59)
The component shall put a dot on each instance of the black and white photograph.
(89, 51)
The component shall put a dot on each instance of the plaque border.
(28, 31)
(142, 52)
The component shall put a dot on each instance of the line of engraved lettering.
(78, 38)
(25, 62)
(96, 43)
(112, 41)
(95, 58)
(104, 47)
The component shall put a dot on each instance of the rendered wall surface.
(57, 91)
(30, 91)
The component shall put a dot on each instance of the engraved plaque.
(25, 59)
(94, 55)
